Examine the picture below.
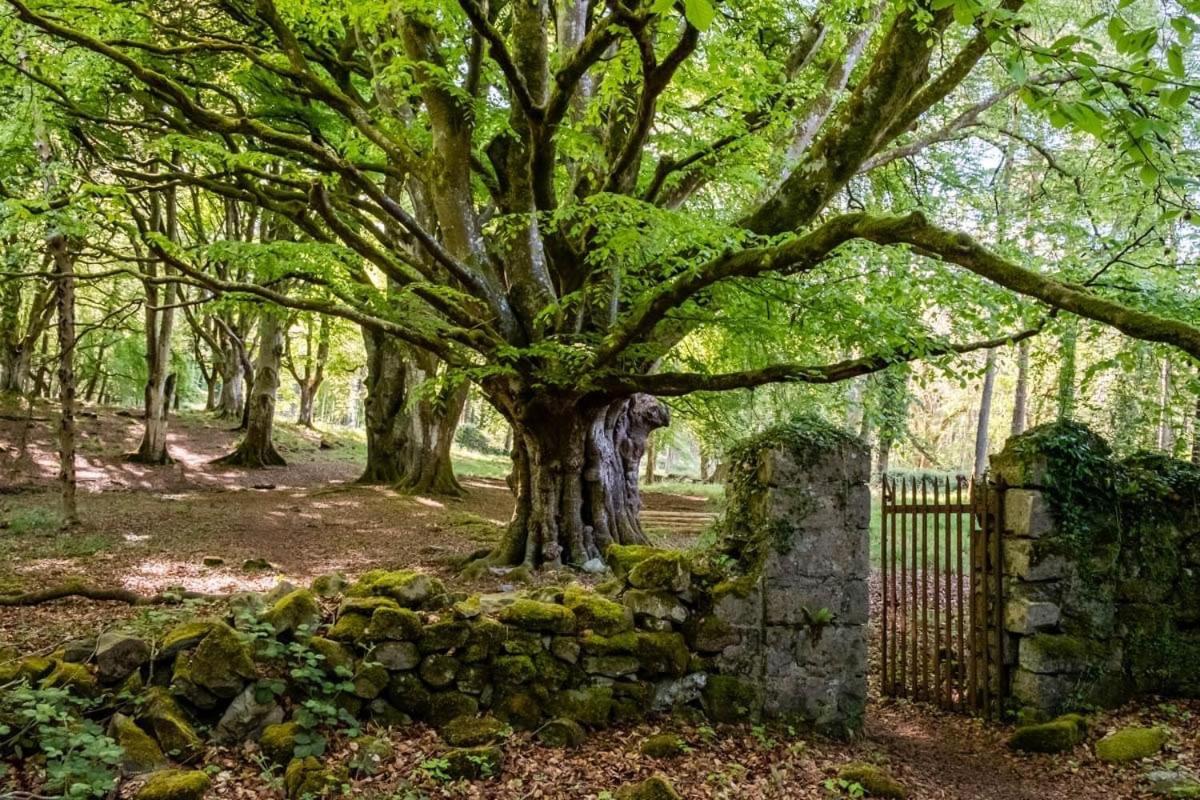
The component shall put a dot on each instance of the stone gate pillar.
(798, 519)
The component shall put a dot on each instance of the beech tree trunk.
(1196, 434)
(1020, 414)
(408, 438)
(64, 293)
(575, 477)
(160, 384)
(1066, 370)
(985, 414)
(257, 449)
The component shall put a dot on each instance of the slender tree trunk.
(310, 380)
(985, 414)
(893, 413)
(1166, 439)
(575, 477)
(1196, 434)
(651, 461)
(1021, 393)
(1066, 370)
(65, 300)
(257, 449)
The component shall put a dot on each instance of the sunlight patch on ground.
(154, 575)
(430, 502)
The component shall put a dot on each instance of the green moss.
(473, 731)
(662, 653)
(519, 709)
(445, 706)
(34, 668)
(329, 585)
(370, 680)
(474, 763)
(513, 670)
(366, 605)
(484, 638)
(408, 694)
(409, 589)
(295, 610)
(442, 636)
(308, 777)
(1131, 744)
(174, 784)
(175, 734)
(468, 608)
(624, 557)
(439, 670)
(184, 637)
(729, 699)
(216, 670)
(656, 787)
(621, 644)
(562, 732)
(667, 571)
(875, 781)
(371, 756)
(140, 752)
(663, 745)
(597, 613)
(350, 627)
(1056, 736)
(76, 677)
(335, 656)
(537, 616)
(395, 624)
(710, 634)
(278, 742)
(591, 705)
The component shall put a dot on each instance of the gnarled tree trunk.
(575, 477)
(257, 448)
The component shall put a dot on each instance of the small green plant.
(23, 521)
(841, 786)
(764, 739)
(483, 765)
(81, 762)
(437, 769)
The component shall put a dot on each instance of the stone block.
(1026, 513)
(1028, 616)
(1022, 560)
(795, 600)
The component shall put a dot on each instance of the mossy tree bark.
(257, 448)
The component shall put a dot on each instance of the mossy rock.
(519, 709)
(729, 699)
(1056, 736)
(443, 636)
(329, 585)
(662, 653)
(665, 571)
(611, 666)
(484, 639)
(386, 715)
(33, 668)
(140, 753)
(257, 565)
(663, 745)
(366, 605)
(439, 670)
(370, 756)
(474, 763)
(278, 742)
(216, 670)
(654, 605)
(293, 611)
(533, 615)
(621, 644)
(710, 634)
(1131, 744)
(349, 627)
(393, 624)
(561, 732)
(521, 643)
(174, 784)
(467, 608)
(513, 670)
(624, 557)
(448, 705)
(308, 777)
(335, 657)
(409, 589)
(75, 677)
(656, 787)
(473, 731)
(596, 612)
(875, 781)
(590, 705)
(370, 680)
(408, 694)
(165, 719)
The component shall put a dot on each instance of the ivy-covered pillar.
(797, 524)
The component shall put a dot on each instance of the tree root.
(101, 593)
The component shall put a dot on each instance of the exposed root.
(100, 593)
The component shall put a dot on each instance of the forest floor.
(150, 528)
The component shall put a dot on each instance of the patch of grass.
(35, 520)
(474, 527)
(714, 493)
(479, 465)
(68, 545)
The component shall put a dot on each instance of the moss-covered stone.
(439, 670)
(1056, 736)
(174, 732)
(330, 585)
(408, 694)
(621, 644)
(366, 605)
(140, 753)
(875, 781)
(533, 615)
(293, 611)
(662, 653)
(561, 732)
(278, 742)
(729, 699)
(385, 715)
(513, 670)
(656, 787)
(519, 709)
(448, 705)
(75, 677)
(521, 643)
(443, 636)
(666, 571)
(370, 680)
(308, 777)
(184, 637)
(467, 608)
(335, 657)
(484, 638)
(370, 756)
(216, 670)
(624, 557)
(174, 784)
(710, 634)
(409, 589)
(596, 612)
(1131, 744)
(474, 763)
(591, 705)
(648, 605)
(663, 745)
(611, 666)
(349, 627)
(473, 731)
(395, 624)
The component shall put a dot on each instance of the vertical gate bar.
(998, 597)
(902, 611)
(895, 606)
(971, 599)
(924, 590)
(962, 652)
(985, 595)
(916, 604)
(883, 582)
(948, 650)
(935, 661)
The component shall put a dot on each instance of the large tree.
(551, 198)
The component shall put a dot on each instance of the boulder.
(396, 656)
(1131, 744)
(249, 713)
(473, 731)
(370, 680)
(663, 745)
(79, 651)
(1173, 783)
(443, 636)
(473, 763)
(215, 671)
(409, 589)
(174, 784)
(118, 655)
(329, 585)
(75, 677)
(393, 624)
(665, 571)
(278, 742)
(533, 615)
(875, 781)
(656, 787)
(295, 610)
(445, 706)
(140, 753)
(1055, 736)
(596, 612)
(309, 778)
(655, 605)
(590, 705)
(163, 717)
(562, 732)
(184, 637)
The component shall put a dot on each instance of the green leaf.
(699, 12)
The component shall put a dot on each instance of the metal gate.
(942, 624)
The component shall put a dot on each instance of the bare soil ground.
(149, 528)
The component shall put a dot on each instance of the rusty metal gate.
(941, 628)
